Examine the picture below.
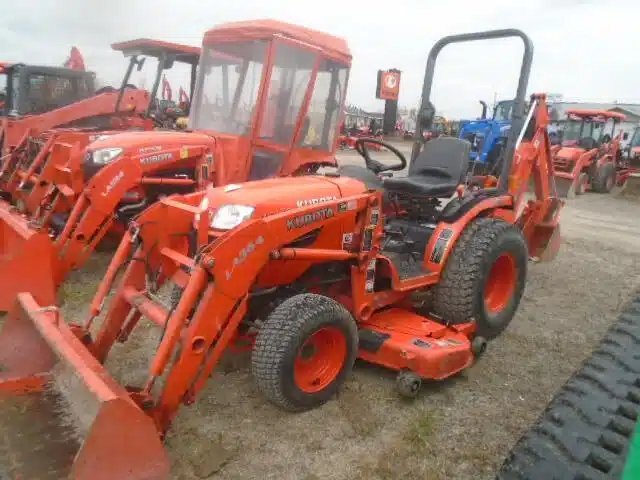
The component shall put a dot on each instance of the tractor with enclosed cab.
(590, 157)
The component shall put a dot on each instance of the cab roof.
(156, 48)
(334, 47)
(605, 114)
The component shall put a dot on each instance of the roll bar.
(427, 109)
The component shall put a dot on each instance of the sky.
(583, 49)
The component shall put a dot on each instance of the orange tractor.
(110, 111)
(41, 98)
(590, 158)
(330, 268)
(248, 123)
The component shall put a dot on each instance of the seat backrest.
(442, 157)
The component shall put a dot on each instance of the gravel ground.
(457, 429)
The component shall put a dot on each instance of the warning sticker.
(441, 245)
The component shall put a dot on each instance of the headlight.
(230, 216)
(106, 155)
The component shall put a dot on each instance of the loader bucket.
(631, 187)
(565, 186)
(115, 438)
(26, 260)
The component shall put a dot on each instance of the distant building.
(559, 110)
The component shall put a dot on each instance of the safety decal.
(441, 245)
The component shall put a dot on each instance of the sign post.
(388, 89)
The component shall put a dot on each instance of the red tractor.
(590, 157)
(252, 118)
(310, 272)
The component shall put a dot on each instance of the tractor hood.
(139, 142)
(155, 148)
(569, 153)
(267, 197)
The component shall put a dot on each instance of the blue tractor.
(487, 136)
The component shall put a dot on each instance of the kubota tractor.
(41, 98)
(310, 271)
(265, 105)
(589, 158)
(108, 112)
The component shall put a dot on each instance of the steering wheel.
(374, 165)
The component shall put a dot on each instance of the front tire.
(484, 277)
(304, 351)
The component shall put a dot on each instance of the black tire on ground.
(604, 178)
(586, 429)
(281, 339)
(460, 295)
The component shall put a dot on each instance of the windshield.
(635, 140)
(290, 76)
(324, 109)
(576, 129)
(502, 111)
(227, 90)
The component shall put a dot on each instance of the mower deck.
(402, 340)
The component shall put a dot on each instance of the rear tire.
(304, 351)
(605, 178)
(484, 277)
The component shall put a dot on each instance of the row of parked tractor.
(587, 154)
(243, 232)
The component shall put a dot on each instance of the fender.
(446, 235)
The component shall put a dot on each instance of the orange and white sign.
(388, 84)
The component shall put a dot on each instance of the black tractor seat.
(436, 172)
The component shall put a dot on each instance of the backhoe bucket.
(26, 260)
(39, 352)
(545, 242)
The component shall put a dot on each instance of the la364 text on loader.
(330, 268)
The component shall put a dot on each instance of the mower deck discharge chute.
(590, 158)
(247, 124)
(314, 271)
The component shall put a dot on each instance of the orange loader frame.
(221, 272)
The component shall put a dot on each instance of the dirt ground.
(457, 429)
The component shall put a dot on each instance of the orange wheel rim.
(500, 284)
(320, 359)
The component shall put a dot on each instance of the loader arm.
(95, 209)
(216, 288)
(135, 101)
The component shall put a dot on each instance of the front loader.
(590, 158)
(310, 272)
(242, 129)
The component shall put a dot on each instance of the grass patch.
(421, 430)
